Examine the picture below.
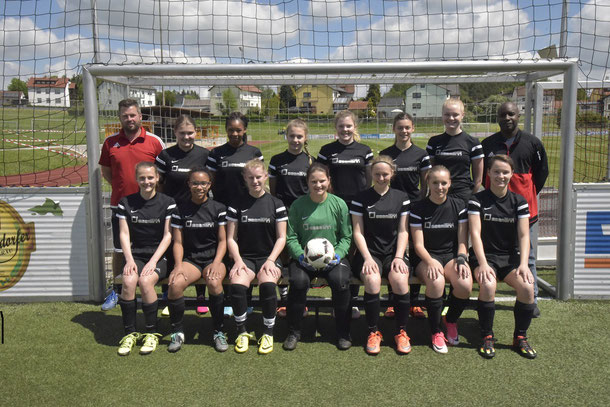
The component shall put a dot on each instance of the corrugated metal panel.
(592, 241)
(58, 268)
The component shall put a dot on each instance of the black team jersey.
(256, 220)
(410, 163)
(381, 215)
(199, 225)
(456, 153)
(290, 173)
(175, 165)
(439, 223)
(227, 162)
(499, 220)
(146, 220)
(347, 165)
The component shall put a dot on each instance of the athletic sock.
(164, 289)
(401, 308)
(249, 296)
(486, 311)
(200, 290)
(343, 315)
(269, 305)
(128, 310)
(372, 307)
(240, 305)
(523, 317)
(456, 307)
(296, 307)
(216, 309)
(435, 307)
(414, 292)
(176, 314)
(150, 316)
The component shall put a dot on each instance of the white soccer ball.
(319, 252)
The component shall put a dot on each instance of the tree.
(288, 96)
(373, 95)
(398, 90)
(270, 102)
(18, 85)
(229, 102)
(170, 98)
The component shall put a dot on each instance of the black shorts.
(114, 223)
(337, 277)
(256, 264)
(161, 269)
(502, 264)
(199, 264)
(441, 258)
(385, 264)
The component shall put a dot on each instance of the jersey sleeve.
(430, 148)
(344, 229)
(462, 213)
(425, 163)
(232, 214)
(212, 163)
(122, 209)
(405, 208)
(368, 156)
(540, 165)
(222, 215)
(258, 154)
(105, 155)
(522, 208)
(171, 208)
(281, 214)
(356, 207)
(476, 150)
(323, 156)
(161, 162)
(474, 206)
(415, 217)
(273, 167)
(177, 221)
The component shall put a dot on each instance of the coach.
(120, 154)
(531, 169)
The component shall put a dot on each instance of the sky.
(55, 37)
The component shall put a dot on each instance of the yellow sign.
(17, 242)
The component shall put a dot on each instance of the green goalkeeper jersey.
(308, 220)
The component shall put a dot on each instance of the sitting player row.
(254, 230)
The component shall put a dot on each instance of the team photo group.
(459, 212)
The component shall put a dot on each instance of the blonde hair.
(297, 123)
(252, 164)
(454, 102)
(345, 114)
(385, 159)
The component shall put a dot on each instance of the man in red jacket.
(531, 169)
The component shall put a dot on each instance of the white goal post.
(442, 72)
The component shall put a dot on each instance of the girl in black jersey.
(499, 230)
(287, 178)
(174, 164)
(199, 247)
(287, 170)
(256, 233)
(412, 164)
(458, 151)
(379, 218)
(439, 228)
(228, 160)
(349, 165)
(144, 219)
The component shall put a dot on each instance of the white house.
(49, 92)
(426, 100)
(248, 97)
(548, 100)
(111, 93)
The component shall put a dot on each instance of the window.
(422, 85)
(57, 91)
(47, 91)
(48, 100)
(39, 100)
(306, 95)
(219, 95)
(416, 95)
(58, 101)
(416, 106)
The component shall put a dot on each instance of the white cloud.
(589, 39)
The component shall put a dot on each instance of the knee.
(372, 282)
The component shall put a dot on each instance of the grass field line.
(70, 152)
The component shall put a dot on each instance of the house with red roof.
(49, 92)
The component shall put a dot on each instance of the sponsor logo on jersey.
(450, 153)
(246, 219)
(447, 225)
(225, 164)
(351, 161)
(191, 224)
(307, 226)
(373, 215)
(285, 171)
(407, 169)
(136, 219)
(490, 218)
(17, 242)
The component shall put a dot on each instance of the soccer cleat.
(403, 344)
(228, 312)
(344, 343)
(439, 343)
(452, 333)
(373, 343)
(201, 309)
(265, 344)
(522, 347)
(165, 312)
(127, 343)
(291, 342)
(487, 349)
(111, 301)
(389, 312)
(149, 343)
(355, 313)
(242, 342)
(177, 339)
(281, 312)
(220, 341)
(417, 312)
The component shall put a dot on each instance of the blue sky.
(54, 37)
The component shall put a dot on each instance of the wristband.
(461, 259)
(400, 258)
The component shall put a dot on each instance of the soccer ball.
(319, 252)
